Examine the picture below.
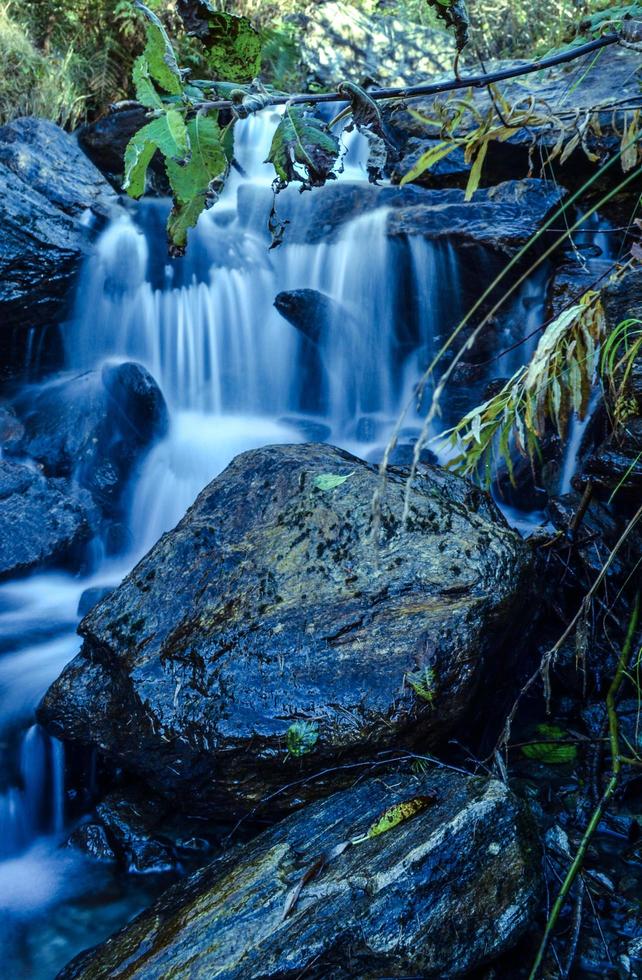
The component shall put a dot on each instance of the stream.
(236, 375)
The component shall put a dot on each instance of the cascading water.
(236, 375)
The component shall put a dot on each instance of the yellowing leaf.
(397, 814)
(476, 170)
(428, 160)
(630, 143)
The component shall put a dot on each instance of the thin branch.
(434, 88)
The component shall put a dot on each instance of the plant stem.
(435, 88)
(616, 766)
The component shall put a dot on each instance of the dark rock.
(91, 839)
(437, 896)
(271, 605)
(94, 427)
(105, 140)
(42, 521)
(502, 218)
(310, 311)
(11, 428)
(91, 597)
(130, 822)
(596, 537)
(322, 215)
(571, 280)
(451, 170)
(50, 195)
(47, 160)
(611, 469)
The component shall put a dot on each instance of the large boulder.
(50, 196)
(94, 427)
(436, 896)
(270, 633)
(340, 41)
(42, 522)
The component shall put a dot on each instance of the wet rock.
(596, 536)
(11, 428)
(310, 311)
(90, 597)
(320, 216)
(451, 170)
(91, 839)
(437, 896)
(94, 427)
(339, 40)
(270, 606)
(42, 522)
(571, 279)
(130, 823)
(51, 193)
(502, 218)
(49, 161)
(612, 469)
(105, 140)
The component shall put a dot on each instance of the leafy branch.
(197, 143)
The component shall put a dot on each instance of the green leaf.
(207, 161)
(304, 141)
(168, 134)
(554, 751)
(145, 89)
(423, 683)
(159, 54)
(301, 737)
(328, 481)
(194, 182)
(233, 46)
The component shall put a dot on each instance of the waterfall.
(236, 375)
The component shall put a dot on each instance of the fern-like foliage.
(556, 383)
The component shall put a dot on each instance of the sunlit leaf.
(233, 46)
(166, 133)
(159, 54)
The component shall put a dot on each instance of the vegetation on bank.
(66, 60)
